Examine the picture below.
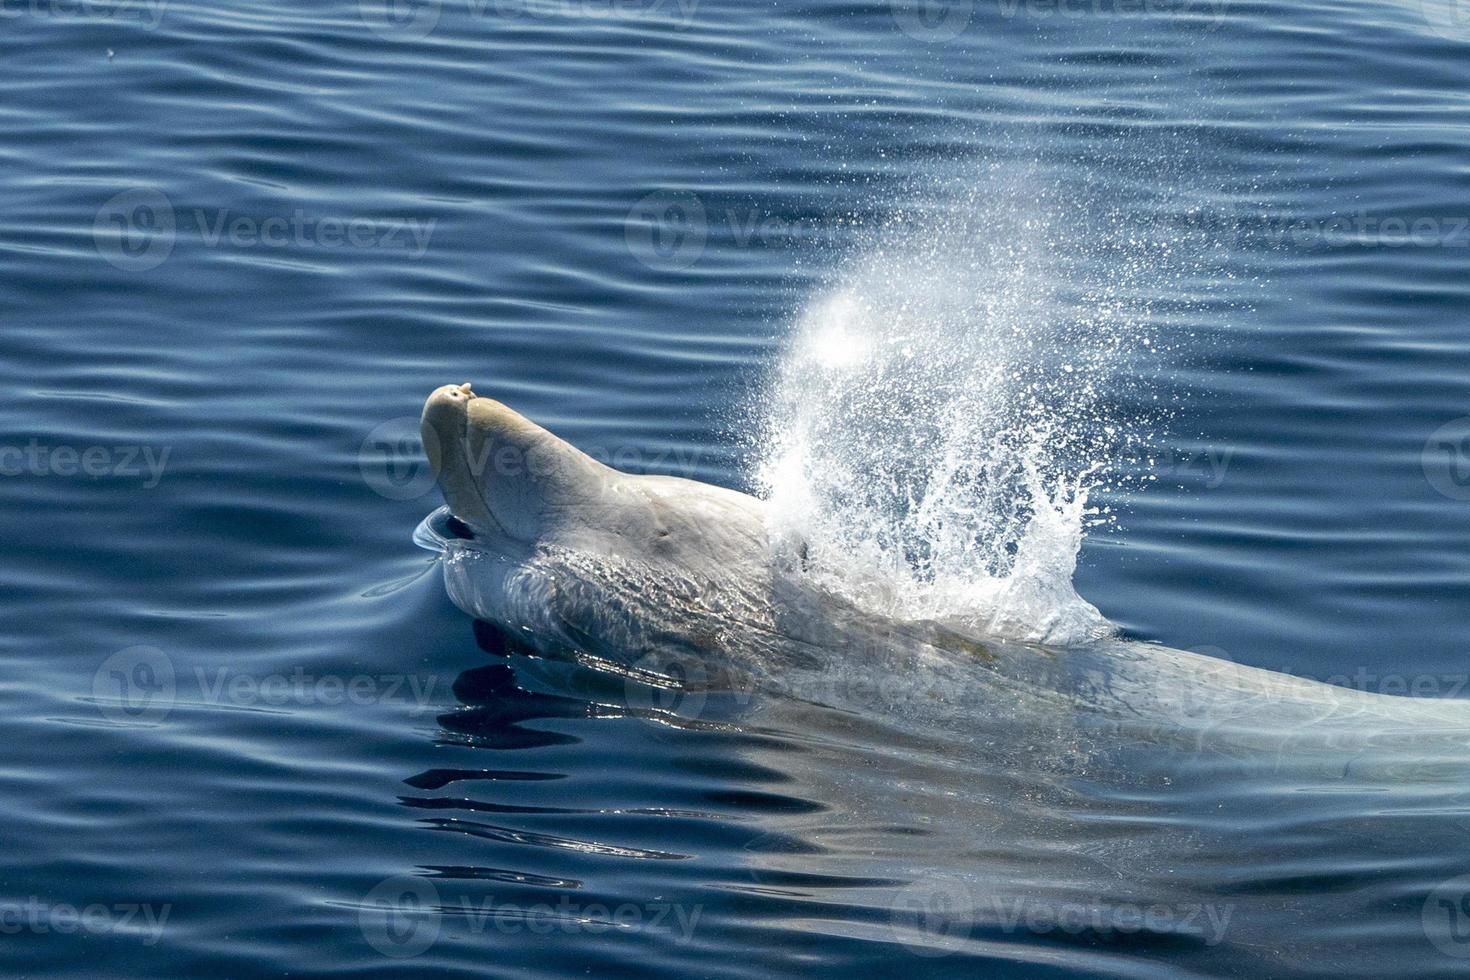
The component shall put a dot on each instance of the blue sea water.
(241, 241)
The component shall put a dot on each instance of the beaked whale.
(564, 551)
(988, 775)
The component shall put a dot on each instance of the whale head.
(514, 483)
(559, 544)
(503, 475)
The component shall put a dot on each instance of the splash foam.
(944, 410)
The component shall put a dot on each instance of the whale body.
(560, 549)
(1027, 776)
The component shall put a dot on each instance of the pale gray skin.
(567, 551)
(1112, 773)
(565, 545)
(507, 477)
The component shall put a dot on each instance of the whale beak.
(500, 472)
(496, 467)
(445, 431)
(444, 419)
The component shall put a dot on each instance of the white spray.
(944, 409)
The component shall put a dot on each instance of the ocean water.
(1186, 279)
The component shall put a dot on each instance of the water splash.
(947, 406)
